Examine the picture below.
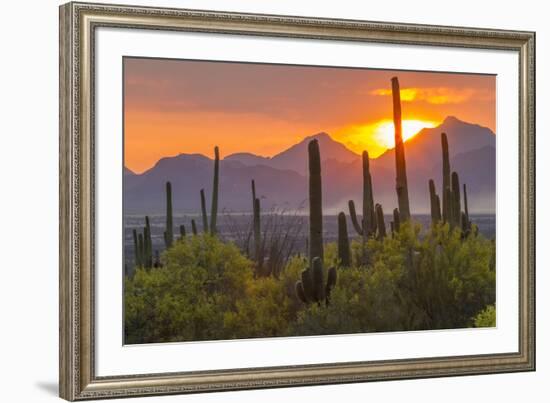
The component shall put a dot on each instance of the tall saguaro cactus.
(446, 190)
(203, 212)
(400, 165)
(315, 202)
(169, 237)
(214, 209)
(344, 254)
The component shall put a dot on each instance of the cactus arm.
(353, 216)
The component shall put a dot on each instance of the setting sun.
(384, 131)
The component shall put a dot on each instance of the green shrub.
(486, 318)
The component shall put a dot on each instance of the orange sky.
(179, 106)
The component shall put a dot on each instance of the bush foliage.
(206, 290)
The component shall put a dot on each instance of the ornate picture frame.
(78, 25)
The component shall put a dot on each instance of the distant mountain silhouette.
(282, 179)
(295, 157)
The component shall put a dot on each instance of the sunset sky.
(178, 106)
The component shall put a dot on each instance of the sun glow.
(384, 132)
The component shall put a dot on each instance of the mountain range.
(281, 180)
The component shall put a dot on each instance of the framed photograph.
(255, 201)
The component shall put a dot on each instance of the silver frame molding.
(78, 22)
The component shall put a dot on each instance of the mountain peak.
(451, 120)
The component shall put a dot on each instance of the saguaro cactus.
(214, 209)
(169, 238)
(455, 201)
(368, 223)
(315, 202)
(434, 203)
(400, 165)
(380, 225)
(257, 235)
(447, 209)
(194, 227)
(203, 212)
(344, 254)
(312, 287)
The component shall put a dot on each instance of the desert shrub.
(486, 318)
(410, 283)
(186, 299)
(206, 290)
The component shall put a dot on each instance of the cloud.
(436, 95)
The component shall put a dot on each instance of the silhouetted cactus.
(315, 202)
(214, 210)
(312, 287)
(396, 220)
(455, 201)
(169, 237)
(257, 236)
(446, 189)
(380, 225)
(368, 223)
(466, 214)
(344, 254)
(400, 165)
(194, 227)
(203, 212)
(434, 203)
(148, 244)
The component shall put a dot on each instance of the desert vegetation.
(401, 278)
